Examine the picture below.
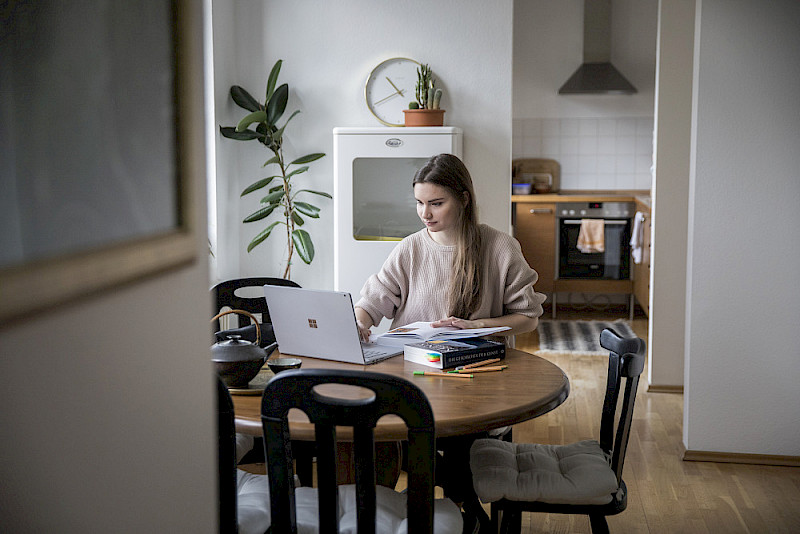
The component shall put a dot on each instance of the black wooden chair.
(227, 459)
(364, 504)
(243, 496)
(579, 478)
(224, 294)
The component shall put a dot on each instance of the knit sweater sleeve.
(518, 279)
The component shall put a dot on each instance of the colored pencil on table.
(478, 364)
(480, 369)
(441, 375)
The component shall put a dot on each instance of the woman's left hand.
(457, 323)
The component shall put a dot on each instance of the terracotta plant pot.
(424, 117)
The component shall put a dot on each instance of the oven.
(614, 262)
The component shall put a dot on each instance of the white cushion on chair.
(391, 513)
(578, 473)
(254, 509)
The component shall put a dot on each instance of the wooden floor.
(666, 494)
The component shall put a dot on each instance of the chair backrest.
(626, 360)
(224, 294)
(226, 432)
(391, 395)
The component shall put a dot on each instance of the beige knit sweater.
(412, 284)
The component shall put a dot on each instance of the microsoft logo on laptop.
(312, 323)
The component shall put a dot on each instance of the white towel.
(591, 238)
(637, 237)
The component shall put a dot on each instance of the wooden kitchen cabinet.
(535, 229)
(641, 271)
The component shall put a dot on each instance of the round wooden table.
(529, 387)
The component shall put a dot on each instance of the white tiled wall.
(595, 154)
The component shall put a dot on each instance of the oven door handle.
(578, 221)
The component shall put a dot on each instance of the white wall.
(328, 50)
(548, 48)
(670, 192)
(108, 408)
(743, 298)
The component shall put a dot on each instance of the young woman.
(453, 272)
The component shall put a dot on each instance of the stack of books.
(446, 354)
(443, 347)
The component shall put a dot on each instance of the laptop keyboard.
(372, 354)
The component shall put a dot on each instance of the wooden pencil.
(480, 369)
(441, 375)
(478, 364)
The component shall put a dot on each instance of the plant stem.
(287, 273)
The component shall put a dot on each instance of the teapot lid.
(236, 349)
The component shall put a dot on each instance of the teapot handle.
(252, 317)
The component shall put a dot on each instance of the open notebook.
(320, 324)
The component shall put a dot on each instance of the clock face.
(390, 87)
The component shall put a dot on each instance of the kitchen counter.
(586, 196)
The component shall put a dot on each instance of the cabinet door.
(535, 229)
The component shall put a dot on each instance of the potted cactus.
(425, 110)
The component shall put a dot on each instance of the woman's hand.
(456, 322)
(363, 331)
(364, 323)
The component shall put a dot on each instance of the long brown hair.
(446, 170)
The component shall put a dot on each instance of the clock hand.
(384, 99)
(400, 91)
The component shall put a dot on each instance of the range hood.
(597, 75)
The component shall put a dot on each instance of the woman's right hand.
(363, 331)
(364, 323)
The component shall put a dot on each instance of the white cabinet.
(374, 205)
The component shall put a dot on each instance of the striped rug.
(577, 337)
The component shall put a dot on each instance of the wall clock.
(389, 88)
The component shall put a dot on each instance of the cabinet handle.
(536, 211)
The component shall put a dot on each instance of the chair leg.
(511, 521)
(598, 524)
(497, 516)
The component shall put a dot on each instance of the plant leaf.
(243, 99)
(257, 185)
(303, 245)
(307, 209)
(273, 189)
(277, 104)
(273, 197)
(273, 78)
(260, 214)
(297, 219)
(256, 116)
(273, 159)
(262, 236)
(297, 171)
(308, 158)
(320, 193)
(231, 133)
(279, 134)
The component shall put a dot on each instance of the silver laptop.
(320, 324)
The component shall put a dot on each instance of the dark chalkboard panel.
(90, 112)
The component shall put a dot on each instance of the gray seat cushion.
(578, 473)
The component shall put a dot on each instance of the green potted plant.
(425, 110)
(280, 198)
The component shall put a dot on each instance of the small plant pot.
(424, 117)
